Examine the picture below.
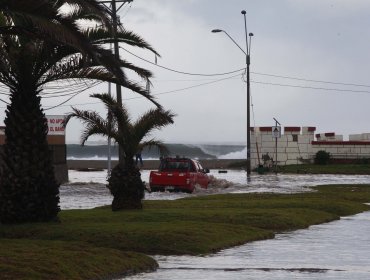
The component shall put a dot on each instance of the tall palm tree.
(125, 183)
(44, 19)
(28, 190)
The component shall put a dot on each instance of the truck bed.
(178, 175)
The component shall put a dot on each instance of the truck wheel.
(191, 190)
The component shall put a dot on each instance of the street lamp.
(247, 61)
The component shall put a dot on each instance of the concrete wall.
(360, 137)
(343, 149)
(297, 145)
(293, 147)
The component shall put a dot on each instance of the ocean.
(197, 151)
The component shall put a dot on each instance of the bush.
(322, 157)
(363, 161)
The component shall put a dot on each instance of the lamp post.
(247, 61)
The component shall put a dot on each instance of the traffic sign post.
(276, 133)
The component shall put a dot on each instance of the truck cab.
(179, 174)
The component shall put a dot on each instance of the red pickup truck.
(179, 174)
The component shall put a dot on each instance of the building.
(298, 145)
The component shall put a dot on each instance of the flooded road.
(336, 250)
(87, 189)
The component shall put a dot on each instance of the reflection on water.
(87, 189)
(336, 250)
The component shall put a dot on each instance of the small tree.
(125, 182)
(322, 158)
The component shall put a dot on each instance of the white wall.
(298, 145)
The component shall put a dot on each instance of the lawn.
(99, 243)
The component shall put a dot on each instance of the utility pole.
(112, 6)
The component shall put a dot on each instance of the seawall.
(148, 164)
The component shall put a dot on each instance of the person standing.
(138, 157)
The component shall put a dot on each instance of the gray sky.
(326, 40)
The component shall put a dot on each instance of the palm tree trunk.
(126, 186)
(28, 189)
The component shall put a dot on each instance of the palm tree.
(44, 20)
(28, 190)
(125, 183)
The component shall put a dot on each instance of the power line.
(181, 72)
(216, 81)
(199, 85)
(68, 99)
(127, 10)
(160, 93)
(255, 73)
(310, 80)
(4, 102)
(71, 90)
(309, 87)
(195, 86)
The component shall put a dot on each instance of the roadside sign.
(276, 131)
(55, 124)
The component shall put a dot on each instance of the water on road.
(336, 250)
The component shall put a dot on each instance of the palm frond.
(6, 75)
(119, 114)
(119, 127)
(91, 130)
(44, 19)
(94, 124)
(103, 36)
(153, 119)
(153, 143)
(93, 7)
(101, 74)
(79, 13)
(132, 39)
(62, 38)
(85, 116)
(50, 25)
(65, 61)
(143, 73)
(40, 8)
(142, 91)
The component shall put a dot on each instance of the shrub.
(363, 161)
(322, 157)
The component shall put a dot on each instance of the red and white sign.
(55, 125)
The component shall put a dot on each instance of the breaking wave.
(235, 155)
(201, 151)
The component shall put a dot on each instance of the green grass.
(42, 259)
(97, 243)
(354, 168)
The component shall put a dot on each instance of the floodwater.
(335, 250)
(87, 189)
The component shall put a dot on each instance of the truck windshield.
(170, 165)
